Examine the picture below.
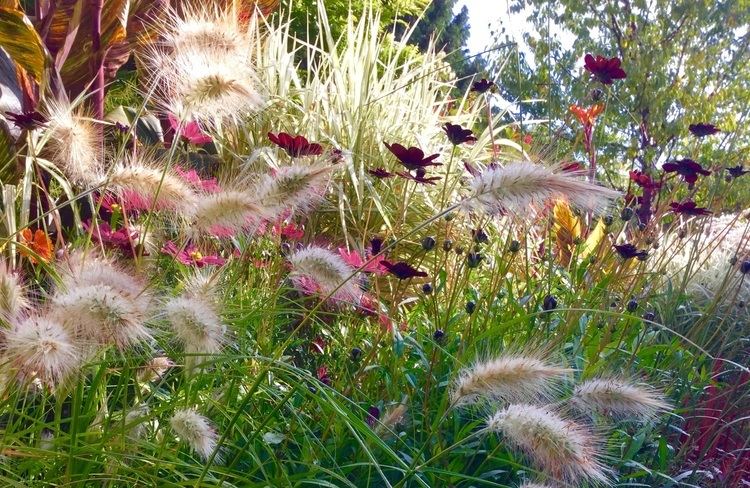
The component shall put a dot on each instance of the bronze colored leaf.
(567, 231)
(22, 43)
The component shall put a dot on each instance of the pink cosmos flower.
(289, 231)
(190, 256)
(123, 239)
(191, 132)
(191, 176)
(355, 260)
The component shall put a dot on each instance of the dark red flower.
(373, 415)
(376, 244)
(703, 130)
(687, 168)
(605, 69)
(413, 157)
(629, 251)
(323, 377)
(737, 171)
(420, 177)
(572, 167)
(380, 173)
(644, 181)
(689, 207)
(123, 239)
(482, 86)
(458, 135)
(27, 120)
(295, 146)
(403, 270)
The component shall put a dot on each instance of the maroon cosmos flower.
(689, 207)
(380, 173)
(572, 167)
(629, 251)
(376, 244)
(420, 176)
(373, 415)
(605, 69)
(295, 146)
(703, 130)
(737, 171)
(323, 377)
(687, 168)
(27, 120)
(123, 239)
(402, 271)
(458, 135)
(413, 157)
(482, 86)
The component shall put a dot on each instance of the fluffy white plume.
(195, 430)
(74, 142)
(316, 270)
(619, 398)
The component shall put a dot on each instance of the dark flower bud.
(470, 307)
(733, 260)
(479, 236)
(745, 267)
(682, 233)
(459, 250)
(438, 335)
(373, 415)
(650, 316)
(286, 248)
(597, 94)
(448, 217)
(428, 243)
(626, 214)
(427, 288)
(473, 259)
(608, 219)
(642, 257)
(549, 303)
(447, 245)
(641, 226)
(514, 246)
(355, 354)
(632, 306)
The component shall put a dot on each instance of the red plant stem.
(97, 7)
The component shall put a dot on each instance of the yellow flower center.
(196, 255)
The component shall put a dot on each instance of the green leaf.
(22, 43)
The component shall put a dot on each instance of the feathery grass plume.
(89, 269)
(74, 142)
(509, 378)
(196, 325)
(562, 448)
(136, 422)
(101, 314)
(200, 29)
(292, 188)
(143, 185)
(523, 185)
(619, 398)
(224, 213)
(13, 300)
(197, 431)
(316, 270)
(39, 347)
(155, 369)
(204, 284)
(533, 485)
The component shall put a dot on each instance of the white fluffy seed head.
(561, 448)
(90, 269)
(203, 284)
(533, 485)
(509, 378)
(195, 430)
(522, 186)
(318, 270)
(200, 29)
(295, 188)
(40, 348)
(621, 399)
(224, 213)
(147, 184)
(196, 325)
(74, 142)
(101, 314)
(13, 299)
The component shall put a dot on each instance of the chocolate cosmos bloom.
(644, 181)
(703, 130)
(629, 251)
(605, 69)
(458, 135)
(380, 173)
(295, 146)
(27, 120)
(688, 169)
(689, 207)
(413, 157)
(482, 86)
(376, 244)
(403, 271)
(420, 177)
(737, 171)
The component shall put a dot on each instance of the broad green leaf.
(22, 43)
